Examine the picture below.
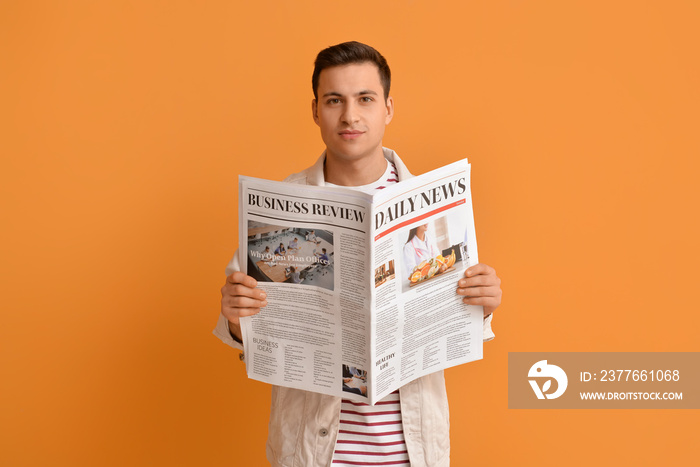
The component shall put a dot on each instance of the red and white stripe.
(371, 435)
(391, 178)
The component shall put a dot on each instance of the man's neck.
(344, 172)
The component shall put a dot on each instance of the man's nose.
(350, 114)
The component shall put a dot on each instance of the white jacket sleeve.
(221, 330)
(488, 333)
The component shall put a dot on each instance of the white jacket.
(304, 425)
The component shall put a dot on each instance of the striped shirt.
(389, 177)
(372, 435)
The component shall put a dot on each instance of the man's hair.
(349, 53)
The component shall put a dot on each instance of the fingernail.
(264, 302)
(462, 283)
(263, 295)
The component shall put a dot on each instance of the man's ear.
(389, 110)
(314, 110)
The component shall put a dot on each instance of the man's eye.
(333, 101)
(367, 99)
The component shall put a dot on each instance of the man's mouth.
(350, 134)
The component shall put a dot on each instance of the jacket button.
(241, 356)
(323, 432)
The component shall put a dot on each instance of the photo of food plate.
(431, 247)
(434, 266)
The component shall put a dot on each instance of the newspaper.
(361, 288)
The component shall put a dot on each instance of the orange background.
(125, 125)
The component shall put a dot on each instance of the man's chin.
(354, 153)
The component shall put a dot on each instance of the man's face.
(351, 111)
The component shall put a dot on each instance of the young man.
(312, 237)
(268, 257)
(352, 107)
(292, 274)
(323, 257)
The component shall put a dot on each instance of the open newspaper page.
(308, 248)
(424, 240)
(361, 289)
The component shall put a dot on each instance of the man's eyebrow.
(361, 93)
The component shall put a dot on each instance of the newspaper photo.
(360, 288)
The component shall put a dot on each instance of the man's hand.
(239, 297)
(481, 286)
